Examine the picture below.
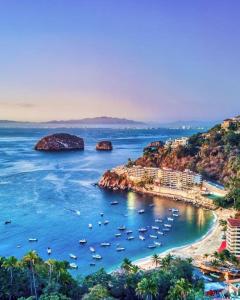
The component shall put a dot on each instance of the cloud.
(17, 104)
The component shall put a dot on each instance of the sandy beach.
(206, 245)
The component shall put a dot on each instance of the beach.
(209, 243)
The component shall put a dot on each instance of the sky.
(149, 60)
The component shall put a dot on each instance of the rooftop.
(234, 222)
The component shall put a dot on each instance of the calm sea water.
(41, 193)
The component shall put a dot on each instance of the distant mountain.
(98, 121)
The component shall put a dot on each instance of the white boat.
(102, 214)
(155, 227)
(90, 226)
(105, 222)
(119, 249)
(72, 256)
(78, 212)
(151, 205)
(166, 229)
(167, 225)
(49, 251)
(122, 228)
(83, 241)
(129, 238)
(73, 266)
(99, 223)
(96, 256)
(175, 215)
(118, 234)
(141, 237)
(114, 202)
(32, 239)
(170, 219)
(153, 236)
(157, 244)
(160, 232)
(92, 249)
(141, 211)
(105, 244)
(143, 229)
(175, 210)
(158, 220)
(151, 246)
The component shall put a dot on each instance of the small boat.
(72, 256)
(32, 239)
(49, 251)
(19, 246)
(143, 229)
(90, 226)
(96, 256)
(105, 222)
(153, 236)
(167, 225)
(114, 202)
(78, 212)
(105, 244)
(157, 244)
(141, 211)
(92, 264)
(119, 249)
(166, 229)
(92, 249)
(83, 241)
(155, 227)
(102, 214)
(130, 238)
(151, 246)
(122, 228)
(141, 237)
(73, 266)
(7, 222)
(170, 219)
(175, 215)
(158, 220)
(99, 223)
(129, 232)
(175, 210)
(160, 232)
(151, 205)
(118, 234)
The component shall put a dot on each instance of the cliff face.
(60, 142)
(112, 180)
(104, 146)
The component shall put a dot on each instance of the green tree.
(156, 259)
(98, 292)
(10, 264)
(54, 296)
(166, 261)
(147, 288)
(180, 290)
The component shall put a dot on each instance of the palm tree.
(126, 265)
(166, 261)
(50, 263)
(9, 264)
(180, 290)
(147, 288)
(31, 259)
(156, 259)
(60, 268)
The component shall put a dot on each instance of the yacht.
(73, 266)
(92, 249)
(157, 244)
(105, 222)
(155, 227)
(128, 231)
(99, 223)
(141, 237)
(170, 219)
(153, 236)
(7, 222)
(175, 215)
(49, 251)
(143, 229)
(151, 246)
(118, 234)
(151, 205)
(119, 249)
(90, 226)
(96, 256)
(83, 241)
(32, 239)
(141, 211)
(158, 221)
(167, 225)
(72, 256)
(166, 229)
(114, 202)
(122, 228)
(129, 238)
(105, 244)
(102, 214)
(160, 232)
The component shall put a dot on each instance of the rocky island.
(104, 146)
(60, 142)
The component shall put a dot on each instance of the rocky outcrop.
(104, 146)
(113, 181)
(60, 142)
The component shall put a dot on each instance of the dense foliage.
(33, 278)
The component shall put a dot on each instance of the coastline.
(207, 244)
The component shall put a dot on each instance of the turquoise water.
(41, 194)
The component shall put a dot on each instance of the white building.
(138, 172)
(233, 236)
(183, 141)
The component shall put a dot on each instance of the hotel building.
(177, 142)
(138, 172)
(233, 236)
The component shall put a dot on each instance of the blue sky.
(147, 60)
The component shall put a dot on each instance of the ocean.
(52, 197)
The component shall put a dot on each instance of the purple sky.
(146, 60)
